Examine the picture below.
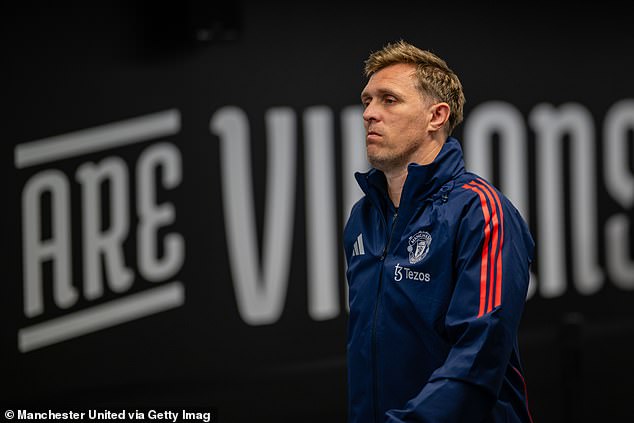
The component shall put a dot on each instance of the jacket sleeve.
(491, 273)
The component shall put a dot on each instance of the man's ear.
(439, 116)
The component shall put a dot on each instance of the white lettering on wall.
(354, 155)
(261, 292)
(321, 239)
(354, 159)
(153, 216)
(504, 119)
(619, 181)
(550, 126)
(260, 289)
(104, 245)
(103, 187)
(36, 250)
(261, 280)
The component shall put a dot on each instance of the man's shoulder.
(473, 192)
(358, 210)
(478, 195)
(361, 203)
(476, 187)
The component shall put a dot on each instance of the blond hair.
(434, 77)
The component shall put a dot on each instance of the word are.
(79, 220)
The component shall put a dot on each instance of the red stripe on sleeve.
(496, 245)
(497, 204)
(485, 248)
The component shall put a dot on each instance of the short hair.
(434, 77)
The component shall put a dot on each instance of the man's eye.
(389, 100)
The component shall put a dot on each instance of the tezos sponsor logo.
(401, 272)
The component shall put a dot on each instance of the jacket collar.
(422, 181)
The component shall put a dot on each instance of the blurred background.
(178, 175)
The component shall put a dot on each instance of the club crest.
(418, 246)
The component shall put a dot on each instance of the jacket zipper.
(375, 382)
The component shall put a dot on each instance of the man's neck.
(396, 177)
(395, 182)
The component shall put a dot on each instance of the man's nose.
(370, 113)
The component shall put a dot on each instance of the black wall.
(180, 66)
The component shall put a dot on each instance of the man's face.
(396, 117)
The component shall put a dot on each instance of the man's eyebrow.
(379, 92)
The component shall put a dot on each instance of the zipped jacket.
(437, 289)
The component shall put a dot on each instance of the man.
(438, 260)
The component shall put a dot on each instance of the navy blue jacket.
(436, 289)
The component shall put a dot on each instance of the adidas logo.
(358, 246)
